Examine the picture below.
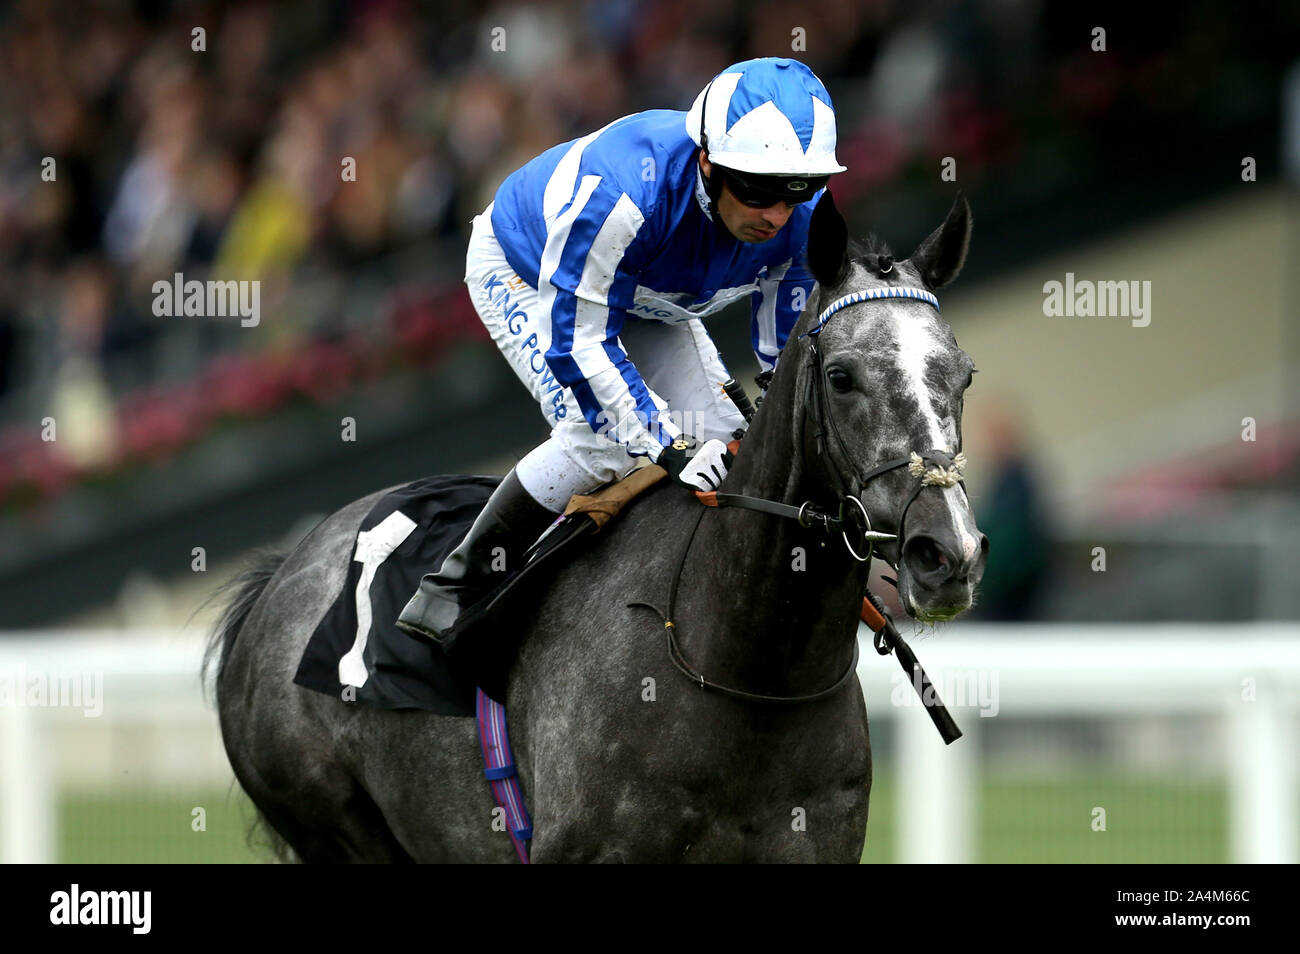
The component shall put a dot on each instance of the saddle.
(357, 653)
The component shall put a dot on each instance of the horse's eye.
(840, 380)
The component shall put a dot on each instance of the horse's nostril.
(924, 556)
(934, 562)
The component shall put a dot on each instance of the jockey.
(592, 268)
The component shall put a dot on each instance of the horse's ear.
(828, 242)
(940, 257)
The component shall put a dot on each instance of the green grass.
(1147, 821)
(134, 827)
(1050, 821)
(1021, 820)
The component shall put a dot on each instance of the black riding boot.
(512, 521)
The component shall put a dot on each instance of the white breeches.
(678, 362)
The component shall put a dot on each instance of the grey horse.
(621, 756)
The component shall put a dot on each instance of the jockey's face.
(747, 223)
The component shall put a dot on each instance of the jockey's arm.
(776, 308)
(588, 274)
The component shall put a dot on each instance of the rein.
(679, 660)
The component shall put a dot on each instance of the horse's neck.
(782, 601)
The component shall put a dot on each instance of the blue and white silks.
(613, 228)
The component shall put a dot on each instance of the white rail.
(1247, 675)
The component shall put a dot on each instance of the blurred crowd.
(211, 139)
(142, 140)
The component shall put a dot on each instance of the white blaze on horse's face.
(918, 348)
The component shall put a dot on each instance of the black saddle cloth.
(400, 671)
(406, 535)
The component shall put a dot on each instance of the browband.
(872, 294)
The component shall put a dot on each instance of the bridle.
(946, 469)
(945, 472)
(933, 468)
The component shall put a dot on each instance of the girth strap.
(500, 771)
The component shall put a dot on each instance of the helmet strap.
(712, 184)
(704, 107)
(712, 188)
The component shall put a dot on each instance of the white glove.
(695, 465)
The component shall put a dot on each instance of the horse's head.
(881, 382)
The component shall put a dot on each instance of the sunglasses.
(756, 197)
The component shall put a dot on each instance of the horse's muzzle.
(940, 566)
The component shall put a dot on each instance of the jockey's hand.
(695, 465)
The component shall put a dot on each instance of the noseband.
(945, 471)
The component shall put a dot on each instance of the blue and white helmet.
(766, 117)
